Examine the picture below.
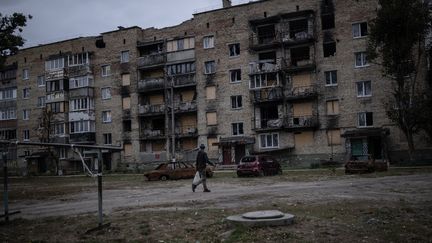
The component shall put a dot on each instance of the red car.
(174, 171)
(258, 165)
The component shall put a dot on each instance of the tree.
(397, 40)
(10, 40)
(44, 129)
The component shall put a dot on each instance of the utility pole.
(5, 192)
(172, 122)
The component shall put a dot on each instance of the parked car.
(365, 164)
(174, 171)
(258, 165)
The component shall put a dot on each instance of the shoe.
(193, 187)
(206, 190)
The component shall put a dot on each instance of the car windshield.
(248, 159)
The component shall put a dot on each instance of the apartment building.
(288, 78)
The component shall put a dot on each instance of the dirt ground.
(329, 206)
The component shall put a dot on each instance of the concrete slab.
(262, 218)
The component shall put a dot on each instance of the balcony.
(302, 92)
(59, 139)
(151, 84)
(87, 115)
(297, 36)
(261, 42)
(267, 94)
(86, 137)
(151, 60)
(265, 66)
(56, 96)
(186, 106)
(151, 110)
(267, 124)
(301, 122)
(78, 70)
(183, 80)
(298, 64)
(186, 131)
(81, 92)
(56, 75)
(152, 134)
(182, 55)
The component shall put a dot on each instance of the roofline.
(121, 29)
(57, 42)
(235, 6)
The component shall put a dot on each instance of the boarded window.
(189, 144)
(333, 137)
(332, 107)
(127, 149)
(212, 144)
(156, 99)
(301, 80)
(303, 139)
(188, 122)
(211, 92)
(126, 103)
(329, 49)
(158, 146)
(126, 79)
(302, 109)
(211, 118)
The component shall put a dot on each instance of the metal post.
(100, 164)
(5, 192)
(172, 123)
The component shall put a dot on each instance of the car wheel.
(163, 178)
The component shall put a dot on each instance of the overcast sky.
(56, 20)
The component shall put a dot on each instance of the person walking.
(201, 164)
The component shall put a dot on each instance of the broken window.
(329, 49)
(127, 126)
(235, 75)
(299, 54)
(124, 56)
(269, 116)
(359, 30)
(266, 34)
(151, 49)
(365, 119)
(298, 29)
(328, 21)
(234, 50)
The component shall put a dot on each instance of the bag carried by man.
(197, 178)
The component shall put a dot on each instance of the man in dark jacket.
(201, 164)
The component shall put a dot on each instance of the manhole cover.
(266, 214)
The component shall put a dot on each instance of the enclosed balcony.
(301, 122)
(267, 94)
(78, 70)
(57, 96)
(86, 137)
(56, 74)
(150, 84)
(151, 110)
(81, 92)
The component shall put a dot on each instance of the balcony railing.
(82, 92)
(264, 40)
(187, 130)
(56, 74)
(302, 92)
(186, 106)
(151, 84)
(151, 60)
(183, 80)
(301, 122)
(79, 70)
(264, 66)
(87, 137)
(297, 35)
(151, 109)
(267, 94)
(298, 64)
(152, 133)
(56, 96)
(268, 124)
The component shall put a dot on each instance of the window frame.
(26, 74)
(363, 57)
(236, 102)
(106, 116)
(213, 67)
(234, 50)
(365, 117)
(237, 128)
(26, 114)
(233, 71)
(363, 88)
(26, 93)
(41, 104)
(104, 95)
(208, 42)
(272, 137)
(106, 70)
(124, 56)
(26, 135)
(107, 138)
(360, 30)
(39, 78)
(328, 75)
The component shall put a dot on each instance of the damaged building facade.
(288, 78)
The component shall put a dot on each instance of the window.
(26, 135)
(182, 68)
(331, 78)
(106, 116)
(125, 79)
(209, 67)
(56, 107)
(26, 93)
(126, 103)
(234, 50)
(58, 129)
(181, 44)
(332, 107)
(127, 149)
(79, 82)
(328, 21)
(41, 101)
(333, 137)
(361, 59)
(81, 104)
(329, 49)
(82, 126)
(235, 75)
(52, 86)
(41, 81)
(211, 92)
(26, 114)
(25, 74)
(236, 102)
(127, 126)
(54, 64)
(269, 140)
(263, 80)
(106, 93)
(211, 118)
(8, 114)
(8, 94)
(107, 138)
(7, 134)
(359, 30)
(364, 89)
(365, 119)
(78, 59)
(62, 153)
(106, 70)
(237, 128)
(208, 42)
(124, 57)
